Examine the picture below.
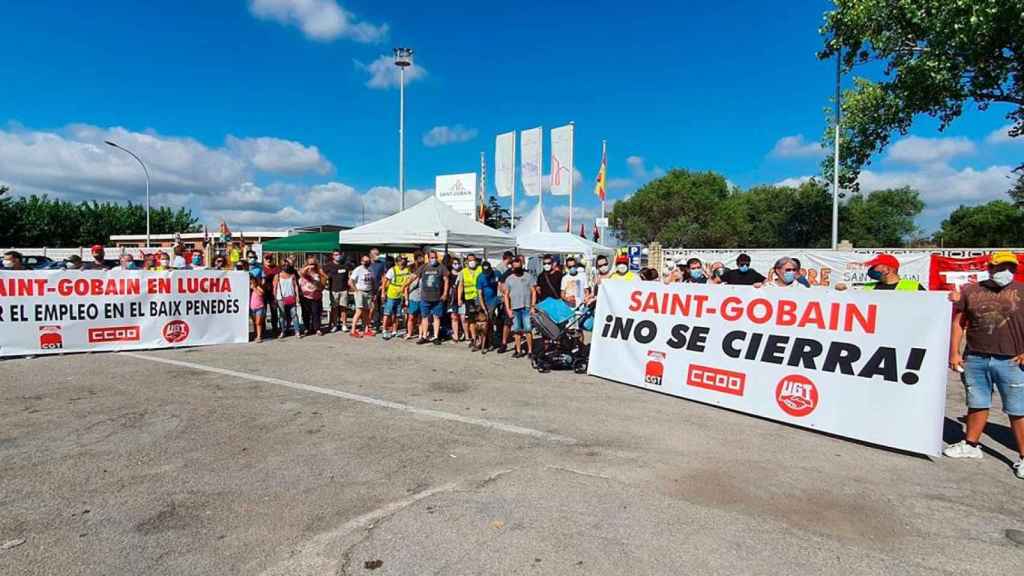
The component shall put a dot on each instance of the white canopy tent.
(532, 223)
(429, 223)
(559, 243)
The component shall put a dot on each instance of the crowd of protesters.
(433, 298)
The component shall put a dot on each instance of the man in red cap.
(884, 271)
(622, 271)
(98, 262)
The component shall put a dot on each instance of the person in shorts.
(434, 285)
(337, 293)
(520, 300)
(363, 286)
(393, 291)
(992, 314)
(413, 298)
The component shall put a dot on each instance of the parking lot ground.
(334, 455)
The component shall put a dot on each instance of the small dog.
(482, 324)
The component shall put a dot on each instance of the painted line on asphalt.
(490, 424)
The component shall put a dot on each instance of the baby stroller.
(561, 344)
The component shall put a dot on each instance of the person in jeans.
(270, 271)
(452, 308)
(311, 287)
(413, 298)
(549, 282)
(378, 266)
(992, 313)
(337, 292)
(574, 283)
(488, 298)
(520, 300)
(362, 284)
(286, 294)
(434, 286)
(257, 305)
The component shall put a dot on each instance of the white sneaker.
(963, 450)
(344, 327)
(1018, 468)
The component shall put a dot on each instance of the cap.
(1002, 258)
(622, 259)
(884, 260)
(97, 248)
(74, 258)
(743, 258)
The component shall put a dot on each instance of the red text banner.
(866, 365)
(56, 311)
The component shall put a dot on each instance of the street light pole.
(403, 59)
(835, 167)
(144, 169)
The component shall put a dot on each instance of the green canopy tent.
(315, 242)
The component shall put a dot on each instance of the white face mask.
(603, 269)
(547, 267)
(573, 270)
(1003, 277)
(621, 268)
(472, 264)
(8, 264)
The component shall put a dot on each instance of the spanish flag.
(602, 173)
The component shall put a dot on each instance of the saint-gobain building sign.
(458, 191)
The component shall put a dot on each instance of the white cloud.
(321, 20)
(917, 150)
(620, 184)
(444, 135)
(638, 168)
(280, 156)
(794, 182)
(942, 186)
(384, 74)
(796, 147)
(1002, 136)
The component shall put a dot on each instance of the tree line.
(701, 210)
(37, 221)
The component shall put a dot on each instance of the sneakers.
(356, 334)
(1018, 469)
(369, 333)
(344, 327)
(964, 450)
(387, 335)
(422, 341)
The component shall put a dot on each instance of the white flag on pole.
(561, 160)
(505, 163)
(532, 148)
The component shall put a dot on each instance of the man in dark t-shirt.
(434, 279)
(549, 282)
(742, 274)
(992, 314)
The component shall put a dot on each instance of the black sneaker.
(502, 349)
(437, 341)
(422, 341)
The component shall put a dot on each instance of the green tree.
(938, 56)
(883, 218)
(993, 225)
(676, 209)
(1017, 191)
(496, 216)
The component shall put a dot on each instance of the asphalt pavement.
(333, 455)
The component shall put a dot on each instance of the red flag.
(567, 226)
(583, 231)
(597, 233)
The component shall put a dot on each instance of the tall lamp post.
(144, 169)
(403, 59)
(835, 167)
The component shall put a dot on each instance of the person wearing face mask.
(73, 262)
(991, 313)
(468, 295)
(574, 283)
(520, 301)
(549, 282)
(743, 274)
(694, 272)
(413, 298)
(362, 284)
(453, 310)
(286, 293)
(178, 261)
(126, 263)
(717, 272)
(270, 272)
(163, 262)
(99, 261)
(393, 288)
(337, 292)
(502, 322)
(13, 260)
(488, 297)
(784, 276)
(622, 271)
(884, 271)
(434, 285)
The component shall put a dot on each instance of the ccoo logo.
(176, 331)
(796, 395)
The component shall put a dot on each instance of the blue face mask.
(874, 274)
(788, 276)
(696, 273)
(744, 268)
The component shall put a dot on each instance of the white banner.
(55, 311)
(820, 267)
(561, 160)
(458, 191)
(505, 164)
(531, 143)
(846, 363)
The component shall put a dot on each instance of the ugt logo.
(796, 395)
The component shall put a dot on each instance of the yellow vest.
(627, 276)
(469, 277)
(903, 286)
(397, 286)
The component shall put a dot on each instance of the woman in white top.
(286, 291)
(786, 273)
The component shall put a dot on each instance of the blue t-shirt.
(378, 269)
(487, 284)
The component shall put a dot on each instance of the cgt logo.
(50, 338)
(716, 379)
(114, 334)
(796, 395)
(654, 371)
(176, 331)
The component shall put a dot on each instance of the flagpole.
(512, 212)
(572, 168)
(604, 163)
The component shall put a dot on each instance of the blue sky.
(272, 113)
